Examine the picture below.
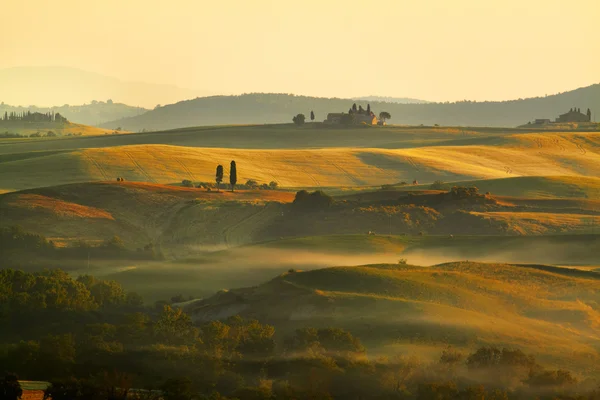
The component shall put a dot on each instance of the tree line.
(93, 340)
(28, 116)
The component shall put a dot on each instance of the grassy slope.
(553, 313)
(141, 213)
(61, 129)
(576, 154)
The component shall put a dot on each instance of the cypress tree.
(219, 176)
(368, 109)
(232, 175)
(312, 115)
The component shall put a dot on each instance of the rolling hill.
(279, 108)
(57, 129)
(439, 155)
(178, 218)
(547, 311)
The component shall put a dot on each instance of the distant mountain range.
(401, 100)
(280, 108)
(47, 86)
(96, 113)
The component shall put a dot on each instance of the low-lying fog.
(205, 270)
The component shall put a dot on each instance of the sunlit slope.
(60, 129)
(140, 213)
(533, 187)
(574, 155)
(548, 312)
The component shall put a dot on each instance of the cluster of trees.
(19, 248)
(93, 340)
(28, 116)
(9, 135)
(232, 175)
(299, 119)
(317, 200)
(95, 113)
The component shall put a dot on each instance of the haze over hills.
(95, 113)
(57, 85)
(401, 100)
(277, 108)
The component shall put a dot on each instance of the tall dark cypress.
(232, 175)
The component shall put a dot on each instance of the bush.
(299, 119)
(437, 185)
(314, 200)
(187, 183)
(251, 184)
(273, 185)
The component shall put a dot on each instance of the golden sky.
(429, 49)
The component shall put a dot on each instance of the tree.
(384, 115)
(368, 109)
(232, 175)
(354, 109)
(312, 115)
(273, 185)
(219, 176)
(10, 388)
(589, 115)
(299, 119)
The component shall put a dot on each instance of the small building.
(33, 390)
(334, 118)
(338, 118)
(575, 115)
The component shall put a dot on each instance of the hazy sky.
(429, 49)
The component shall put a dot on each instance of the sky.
(437, 50)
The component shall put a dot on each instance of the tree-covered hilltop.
(28, 116)
(93, 340)
(95, 113)
(261, 108)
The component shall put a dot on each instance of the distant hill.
(96, 113)
(278, 108)
(46, 86)
(401, 100)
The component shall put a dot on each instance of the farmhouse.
(575, 115)
(354, 116)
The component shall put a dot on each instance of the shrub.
(251, 184)
(314, 200)
(299, 119)
(187, 183)
(437, 185)
(273, 185)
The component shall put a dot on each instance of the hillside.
(551, 312)
(54, 85)
(440, 155)
(180, 218)
(279, 108)
(95, 113)
(12, 130)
